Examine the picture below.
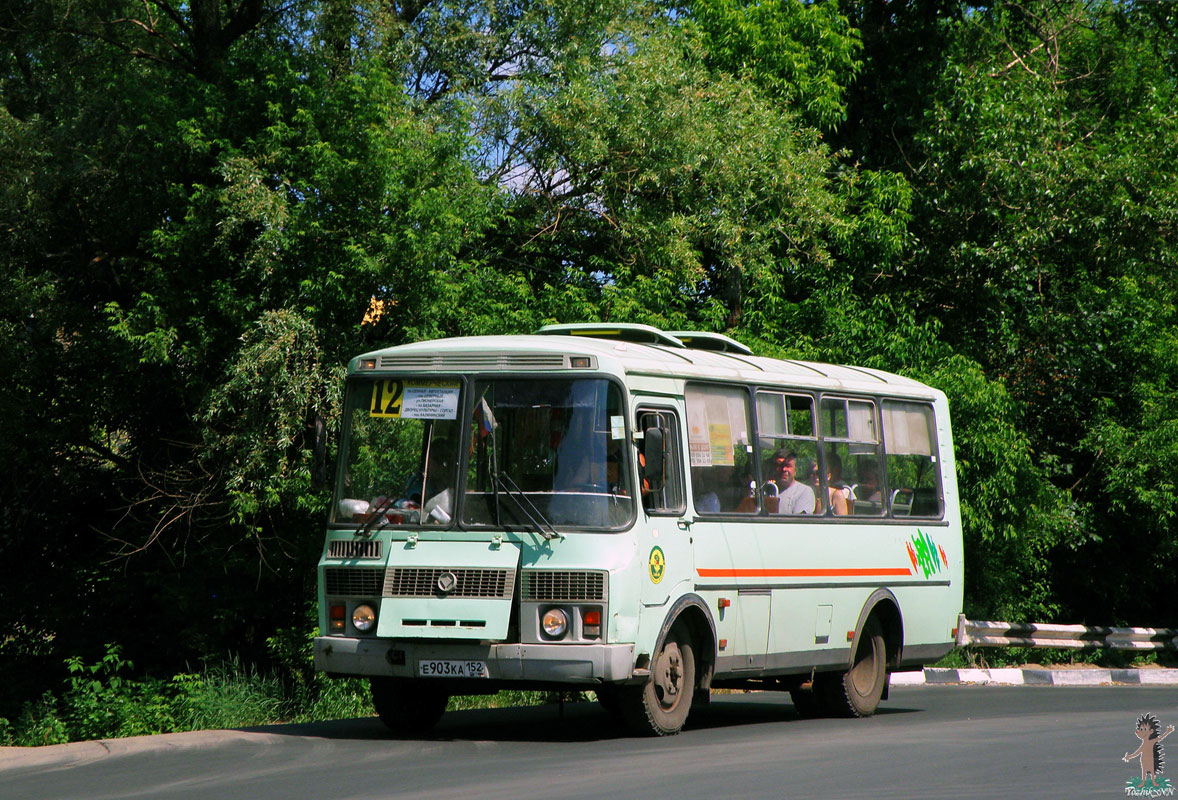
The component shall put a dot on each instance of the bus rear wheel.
(857, 692)
(407, 707)
(660, 706)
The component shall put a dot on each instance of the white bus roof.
(552, 350)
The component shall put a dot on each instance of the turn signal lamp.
(591, 622)
(336, 616)
(368, 363)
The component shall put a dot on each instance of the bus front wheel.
(857, 692)
(660, 706)
(408, 707)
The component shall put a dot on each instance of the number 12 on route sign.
(386, 398)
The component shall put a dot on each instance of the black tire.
(660, 706)
(857, 692)
(408, 707)
(807, 702)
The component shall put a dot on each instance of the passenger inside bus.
(793, 496)
(436, 483)
(707, 500)
(440, 480)
(835, 492)
(866, 492)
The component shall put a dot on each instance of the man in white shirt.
(793, 496)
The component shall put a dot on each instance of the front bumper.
(538, 663)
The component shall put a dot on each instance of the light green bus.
(648, 515)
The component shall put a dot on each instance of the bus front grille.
(556, 585)
(353, 581)
(363, 548)
(423, 582)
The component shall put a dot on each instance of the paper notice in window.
(720, 436)
(430, 401)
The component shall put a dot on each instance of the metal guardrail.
(1063, 637)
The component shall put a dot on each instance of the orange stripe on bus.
(803, 573)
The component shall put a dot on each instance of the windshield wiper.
(512, 490)
(378, 515)
(501, 481)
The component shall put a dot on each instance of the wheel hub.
(669, 675)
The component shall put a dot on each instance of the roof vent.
(703, 340)
(626, 332)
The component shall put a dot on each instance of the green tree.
(1046, 218)
(802, 54)
(209, 206)
(165, 196)
(662, 192)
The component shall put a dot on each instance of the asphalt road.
(926, 742)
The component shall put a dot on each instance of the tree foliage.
(805, 55)
(1046, 217)
(207, 207)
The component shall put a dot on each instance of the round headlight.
(363, 618)
(555, 622)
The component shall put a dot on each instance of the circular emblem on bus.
(447, 582)
(657, 563)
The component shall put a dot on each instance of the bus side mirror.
(654, 456)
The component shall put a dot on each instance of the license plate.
(452, 669)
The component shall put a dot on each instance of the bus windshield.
(557, 445)
(540, 453)
(401, 459)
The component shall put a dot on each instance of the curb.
(1036, 677)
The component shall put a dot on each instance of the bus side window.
(852, 454)
(663, 493)
(913, 475)
(723, 477)
(790, 473)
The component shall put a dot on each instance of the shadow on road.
(572, 723)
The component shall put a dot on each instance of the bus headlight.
(363, 618)
(555, 622)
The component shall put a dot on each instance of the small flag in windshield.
(486, 419)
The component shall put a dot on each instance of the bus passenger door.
(664, 541)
